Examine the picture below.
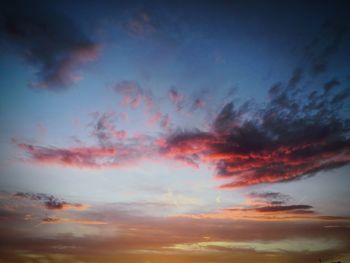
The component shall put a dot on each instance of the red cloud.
(115, 150)
(88, 157)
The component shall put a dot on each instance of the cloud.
(267, 198)
(131, 92)
(198, 104)
(57, 220)
(272, 203)
(51, 202)
(115, 150)
(331, 84)
(81, 157)
(104, 128)
(186, 146)
(114, 147)
(297, 133)
(48, 40)
(133, 95)
(176, 98)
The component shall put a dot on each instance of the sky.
(177, 131)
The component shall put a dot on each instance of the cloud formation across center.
(296, 134)
(299, 130)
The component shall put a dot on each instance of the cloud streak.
(57, 220)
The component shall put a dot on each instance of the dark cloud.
(49, 40)
(82, 221)
(331, 84)
(50, 220)
(288, 209)
(50, 202)
(279, 208)
(273, 202)
(271, 197)
(341, 96)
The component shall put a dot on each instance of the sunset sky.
(174, 131)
